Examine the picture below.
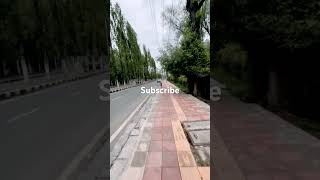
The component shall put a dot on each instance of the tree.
(191, 56)
(128, 62)
(196, 16)
(280, 38)
(47, 34)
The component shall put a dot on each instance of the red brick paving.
(155, 146)
(168, 140)
(171, 173)
(154, 159)
(170, 159)
(168, 146)
(152, 173)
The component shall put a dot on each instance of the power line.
(162, 10)
(169, 26)
(154, 19)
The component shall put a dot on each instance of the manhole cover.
(196, 125)
(199, 138)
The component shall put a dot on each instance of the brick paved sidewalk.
(163, 152)
(255, 144)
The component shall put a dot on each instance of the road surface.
(41, 133)
(122, 103)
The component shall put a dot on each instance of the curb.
(130, 116)
(120, 157)
(124, 88)
(34, 88)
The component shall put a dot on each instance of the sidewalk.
(252, 143)
(163, 151)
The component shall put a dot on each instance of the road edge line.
(84, 154)
(116, 133)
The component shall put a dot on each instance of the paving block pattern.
(164, 152)
(261, 145)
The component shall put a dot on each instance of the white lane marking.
(116, 133)
(116, 98)
(23, 115)
(74, 164)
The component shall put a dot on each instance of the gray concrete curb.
(122, 154)
(34, 88)
(112, 90)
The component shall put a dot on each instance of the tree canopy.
(275, 43)
(127, 60)
(191, 55)
(50, 29)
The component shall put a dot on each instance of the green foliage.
(190, 57)
(234, 58)
(286, 24)
(278, 35)
(127, 60)
(59, 28)
(289, 24)
(194, 56)
(181, 82)
(236, 85)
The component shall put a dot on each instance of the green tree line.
(266, 51)
(128, 62)
(38, 36)
(189, 57)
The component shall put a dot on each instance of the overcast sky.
(145, 17)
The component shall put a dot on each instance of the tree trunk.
(190, 84)
(87, 59)
(1, 70)
(193, 6)
(18, 67)
(39, 67)
(78, 64)
(64, 66)
(273, 92)
(46, 65)
(93, 60)
(30, 69)
(81, 60)
(24, 69)
(55, 63)
(102, 63)
(195, 88)
(4, 68)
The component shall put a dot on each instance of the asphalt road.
(41, 133)
(122, 103)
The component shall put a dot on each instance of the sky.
(145, 18)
